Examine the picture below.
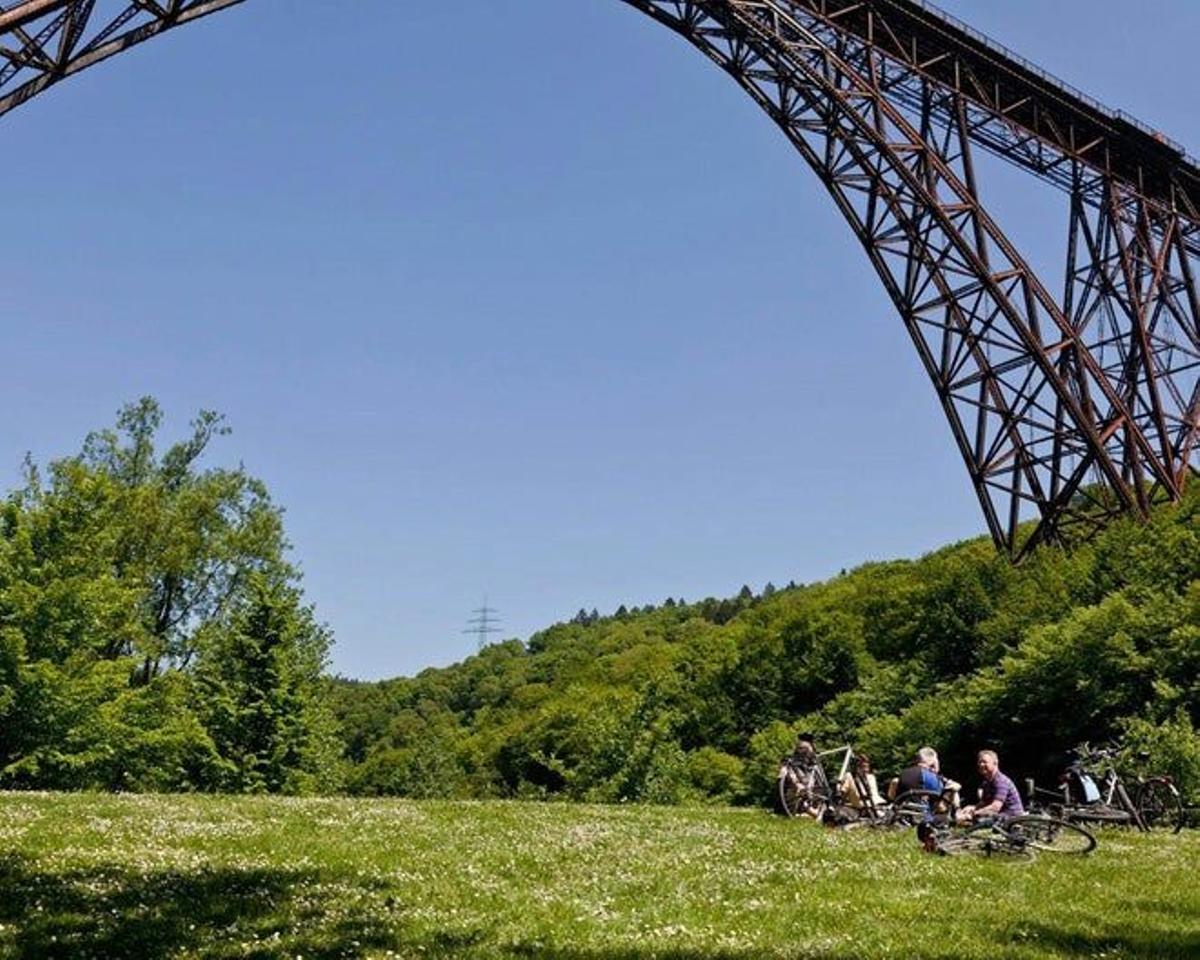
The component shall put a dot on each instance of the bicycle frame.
(1108, 785)
(847, 754)
(1112, 790)
(1015, 836)
(1111, 804)
(838, 800)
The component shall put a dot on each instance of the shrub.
(717, 775)
(767, 746)
(1174, 749)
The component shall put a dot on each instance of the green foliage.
(152, 636)
(1075, 678)
(429, 769)
(257, 686)
(823, 651)
(766, 748)
(717, 776)
(600, 745)
(1174, 749)
(958, 650)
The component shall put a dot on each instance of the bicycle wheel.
(820, 795)
(844, 816)
(1100, 814)
(912, 807)
(797, 794)
(1159, 805)
(793, 792)
(986, 842)
(1053, 836)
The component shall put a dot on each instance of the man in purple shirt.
(999, 796)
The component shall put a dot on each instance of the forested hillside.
(154, 637)
(697, 701)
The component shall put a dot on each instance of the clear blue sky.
(522, 298)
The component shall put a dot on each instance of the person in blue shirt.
(922, 775)
(925, 774)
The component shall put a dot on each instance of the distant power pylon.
(483, 623)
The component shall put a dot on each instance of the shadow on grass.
(1139, 942)
(1149, 944)
(113, 913)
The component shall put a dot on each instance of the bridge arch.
(1043, 421)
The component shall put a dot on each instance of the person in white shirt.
(861, 781)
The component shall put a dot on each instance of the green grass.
(130, 876)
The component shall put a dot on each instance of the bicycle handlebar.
(1086, 753)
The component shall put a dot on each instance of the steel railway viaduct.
(1069, 405)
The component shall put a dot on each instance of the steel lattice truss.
(1067, 411)
(43, 41)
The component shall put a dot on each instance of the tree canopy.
(144, 600)
(154, 636)
(697, 702)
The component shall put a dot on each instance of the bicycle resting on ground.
(999, 826)
(1019, 837)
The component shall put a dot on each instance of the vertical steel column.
(1131, 297)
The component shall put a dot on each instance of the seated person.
(861, 781)
(950, 788)
(924, 774)
(804, 752)
(998, 797)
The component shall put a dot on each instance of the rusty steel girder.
(44, 41)
(1066, 412)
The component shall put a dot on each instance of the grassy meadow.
(103, 876)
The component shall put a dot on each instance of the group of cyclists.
(998, 795)
(997, 823)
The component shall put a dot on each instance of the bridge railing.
(1046, 75)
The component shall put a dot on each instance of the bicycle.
(802, 786)
(1081, 799)
(1159, 805)
(806, 790)
(914, 807)
(1020, 837)
(1155, 805)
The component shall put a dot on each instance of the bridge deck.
(1020, 96)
